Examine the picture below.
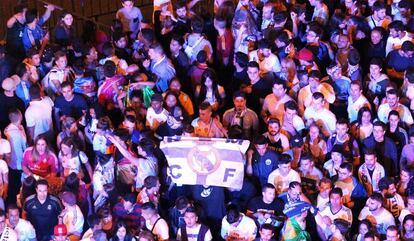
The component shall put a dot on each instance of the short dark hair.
(294, 184)
(149, 206)
(267, 226)
(31, 15)
(378, 5)
(267, 186)
(204, 105)
(66, 83)
(197, 24)
(42, 182)
(291, 105)
(241, 59)
(347, 166)
(385, 182)
(318, 95)
(377, 197)
(93, 220)
(150, 181)
(178, 38)
(397, 25)
(34, 91)
(278, 81)
(315, 74)
(380, 123)
(109, 69)
(336, 190)
(233, 214)
(285, 159)
(253, 64)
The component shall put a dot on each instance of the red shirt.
(45, 165)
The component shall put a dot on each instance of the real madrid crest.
(203, 159)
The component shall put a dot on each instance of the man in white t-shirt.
(268, 62)
(393, 104)
(322, 116)
(193, 229)
(376, 214)
(284, 175)
(356, 100)
(156, 114)
(273, 105)
(23, 228)
(237, 225)
(335, 208)
(39, 113)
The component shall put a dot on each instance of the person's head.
(394, 119)
(60, 232)
(68, 199)
(42, 189)
(294, 190)
(60, 60)
(268, 11)
(197, 24)
(407, 49)
(67, 90)
(314, 132)
(120, 39)
(345, 171)
(291, 110)
(148, 210)
(342, 127)
(306, 162)
(99, 235)
(337, 155)
(370, 159)
(392, 98)
(128, 201)
(176, 43)
(264, 48)
(170, 100)
(155, 51)
(190, 217)
(408, 224)
(325, 186)
(209, 79)
(387, 187)
(145, 235)
(34, 56)
(343, 41)
(379, 10)
(314, 78)
(180, 9)
(241, 59)
(146, 147)
(15, 116)
(205, 111)
(375, 67)
(28, 187)
(395, 28)
(31, 16)
(364, 116)
(71, 183)
(406, 173)
(239, 101)
(13, 214)
(318, 101)
(404, 7)
(392, 233)
(121, 230)
(355, 90)
(376, 35)
(375, 202)
(268, 193)
(313, 34)
(379, 131)
(279, 88)
(128, 4)
(66, 18)
(266, 232)
(273, 126)
(156, 103)
(365, 226)
(233, 215)
(260, 143)
(68, 146)
(40, 145)
(69, 125)
(152, 184)
(282, 40)
(335, 197)
(253, 70)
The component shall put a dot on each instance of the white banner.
(206, 161)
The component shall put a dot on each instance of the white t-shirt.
(152, 116)
(268, 64)
(381, 221)
(282, 182)
(4, 146)
(73, 221)
(344, 213)
(4, 169)
(192, 233)
(354, 107)
(73, 164)
(24, 230)
(324, 118)
(246, 229)
(39, 115)
(405, 114)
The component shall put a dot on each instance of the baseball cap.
(10, 83)
(305, 54)
(297, 141)
(60, 230)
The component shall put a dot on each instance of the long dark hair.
(28, 188)
(72, 184)
(116, 227)
(211, 74)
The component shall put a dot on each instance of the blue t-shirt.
(72, 108)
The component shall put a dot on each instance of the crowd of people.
(323, 90)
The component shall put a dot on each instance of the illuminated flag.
(206, 161)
